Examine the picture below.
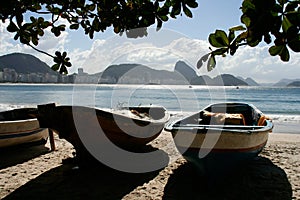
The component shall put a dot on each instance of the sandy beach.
(38, 173)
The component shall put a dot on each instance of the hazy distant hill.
(202, 80)
(249, 81)
(228, 80)
(285, 82)
(294, 84)
(24, 63)
(223, 79)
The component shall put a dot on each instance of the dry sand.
(37, 173)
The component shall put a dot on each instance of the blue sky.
(180, 39)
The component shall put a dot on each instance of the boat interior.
(18, 114)
(226, 114)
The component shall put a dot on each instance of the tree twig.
(41, 51)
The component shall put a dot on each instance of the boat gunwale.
(18, 120)
(175, 125)
(203, 130)
(111, 114)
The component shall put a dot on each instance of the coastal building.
(82, 77)
(9, 75)
(1, 76)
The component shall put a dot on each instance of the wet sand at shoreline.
(37, 173)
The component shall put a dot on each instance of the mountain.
(202, 80)
(24, 63)
(228, 80)
(183, 74)
(249, 81)
(285, 82)
(294, 84)
(139, 74)
(185, 70)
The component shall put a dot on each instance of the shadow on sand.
(89, 181)
(259, 179)
(15, 155)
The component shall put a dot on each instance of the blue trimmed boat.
(221, 136)
(20, 127)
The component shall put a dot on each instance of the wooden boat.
(20, 127)
(130, 127)
(221, 135)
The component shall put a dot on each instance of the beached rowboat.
(221, 135)
(130, 127)
(19, 127)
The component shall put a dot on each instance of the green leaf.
(220, 51)
(247, 4)
(19, 19)
(96, 24)
(284, 54)
(187, 12)
(64, 55)
(91, 34)
(159, 24)
(63, 70)
(223, 37)
(218, 39)
(211, 64)
(237, 28)
(176, 10)
(35, 41)
(74, 26)
(202, 60)
(295, 44)
(267, 38)
(58, 54)
(233, 49)
(55, 67)
(231, 36)
(286, 24)
(68, 64)
(32, 19)
(241, 37)
(164, 18)
(12, 27)
(192, 4)
(246, 20)
(275, 50)
(56, 31)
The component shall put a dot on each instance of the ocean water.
(281, 104)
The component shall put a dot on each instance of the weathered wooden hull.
(217, 147)
(18, 127)
(74, 122)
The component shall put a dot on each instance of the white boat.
(221, 135)
(19, 127)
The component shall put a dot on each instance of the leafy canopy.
(263, 20)
(92, 16)
(276, 22)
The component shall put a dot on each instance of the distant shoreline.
(150, 85)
